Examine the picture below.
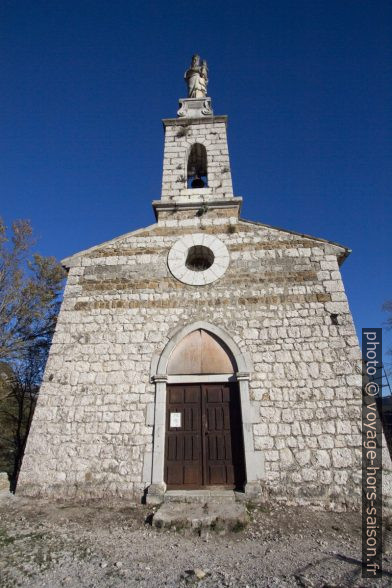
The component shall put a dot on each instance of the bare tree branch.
(30, 290)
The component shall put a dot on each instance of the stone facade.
(281, 300)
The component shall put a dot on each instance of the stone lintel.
(173, 206)
(205, 120)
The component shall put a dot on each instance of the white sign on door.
(175, 419)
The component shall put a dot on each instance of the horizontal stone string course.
(124, 252)
(246, 245)
(175, 301)
(273, 245)
(91, 285)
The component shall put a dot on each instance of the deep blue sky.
(307, 85)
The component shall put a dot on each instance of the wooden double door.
(204, 442)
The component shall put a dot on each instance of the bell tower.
(196, 163)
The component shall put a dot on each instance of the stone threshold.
(200, 496)
(212, 514)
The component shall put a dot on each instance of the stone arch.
(201, 352)
(254, 462)
(159, 363)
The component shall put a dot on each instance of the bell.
(197, 182)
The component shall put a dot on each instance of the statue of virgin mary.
(196, 78)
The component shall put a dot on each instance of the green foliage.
(30, 289)
(30, 286)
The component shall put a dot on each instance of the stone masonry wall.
(92, 430)
(180, 135)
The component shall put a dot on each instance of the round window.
(198, 259)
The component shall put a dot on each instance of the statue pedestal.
(195, 107)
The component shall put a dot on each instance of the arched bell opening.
(197, 176)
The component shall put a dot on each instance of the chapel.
(204, 351)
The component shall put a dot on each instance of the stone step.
(200, 496)
(221, 517)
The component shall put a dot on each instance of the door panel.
(224, 431)
(183, 466)
(204, 444)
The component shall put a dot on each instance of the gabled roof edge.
(67, 261)
(345, 250)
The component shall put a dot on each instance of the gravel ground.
(113, 545)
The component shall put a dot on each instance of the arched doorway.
(203, 440)
(214, 363)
